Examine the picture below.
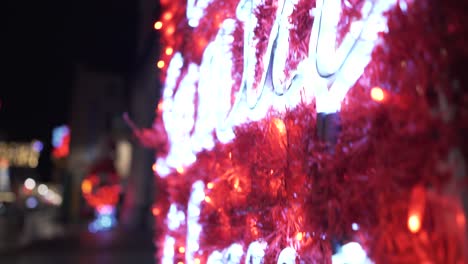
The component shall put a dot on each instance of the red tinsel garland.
(237, 50)
(266, 15)
(299, 35)
(278, 182)
(351, 11)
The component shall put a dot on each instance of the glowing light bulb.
(279, 125)
(154, 167)
(236, 183)
(197, 261)
(160, 64)
(207, 199)
(414, 223)
(160, 107)
(158, 25)
(377, 94)
(170, 30)
(416, 208)
(181, 250)
(86, 186)
(210, 185)
(299, 236)
(180, 262)
(156, 211)
(169, 51)
(167, 15)
(180, 170)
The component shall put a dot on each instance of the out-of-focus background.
(73, 68)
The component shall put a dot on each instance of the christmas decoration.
(322, 131)
(101, 190)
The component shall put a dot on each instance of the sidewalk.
(81, 247)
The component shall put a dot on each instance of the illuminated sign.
(21, 154)
(203, 101)
(61, 141)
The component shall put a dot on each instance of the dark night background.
(81, 63)
(44, 41)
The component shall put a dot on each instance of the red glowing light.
(156, 211)
(170, 30)
(460, 219)
(167, 15)
(101, 187)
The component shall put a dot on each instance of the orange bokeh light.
(181, 250)
(377, 94)
(154, 167)
(160, 64)
(210, 185)
(160, 107)
(299, 236)
(236, 183)
(180, 170)
(414, 223)
(180, 262)
(158, 25)
(460, 219)
(156, 211)
(197, 261)
(207, 199)
(167, 15)
(86, 186)
(279, 124)
(169, 51)
(170, 30)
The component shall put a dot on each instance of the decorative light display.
(101, 190)
(323, 131)
(30, 184)
(61, 142)
(105, 219)
(21, 154)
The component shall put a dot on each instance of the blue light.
(103, 221)
(31, 202)
(37, 146)
(58, 134)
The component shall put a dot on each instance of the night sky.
(43, 41)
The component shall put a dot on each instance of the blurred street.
(82, 247)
